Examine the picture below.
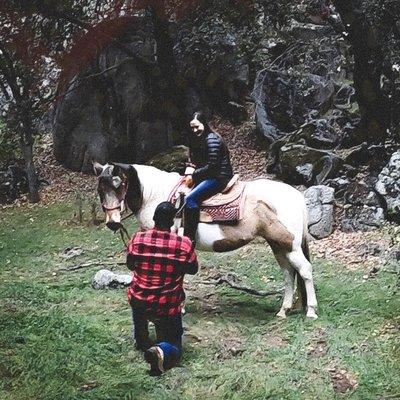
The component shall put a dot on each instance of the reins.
(123, 232)
(125, 237)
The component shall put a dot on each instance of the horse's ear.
(98, 168)
(121, 168)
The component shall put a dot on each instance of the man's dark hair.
(164, 215)
(202, 117)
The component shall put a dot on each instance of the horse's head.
(118, 187)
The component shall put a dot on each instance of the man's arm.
(192, 265)
(130, 254)
(130, 261)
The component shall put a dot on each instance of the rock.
(362, 218)
(388, 185)
(301, 164)
(171, 161)
(71, 252)
(13, 183)
(223, 75)
(264, 124)
(359, 194)
(107, 116)
(319, 200)
(318, 134)
(105, 279)
(284, 101)
(308, 31)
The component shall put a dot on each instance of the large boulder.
(388, 185)
(363, 209)
(172, 161)
(300, 164)
(105, 113)
(208, 55)
(319, 200)
(284, 101)
(362, 218)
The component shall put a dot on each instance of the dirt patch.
(274, 338)
(202, 292)
(247, 155)
(388, 330)
(356, 249)
(230, 347)
(318, 346)
(342, 380)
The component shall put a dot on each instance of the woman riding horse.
(209, 169)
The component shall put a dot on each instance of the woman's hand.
(189, 181)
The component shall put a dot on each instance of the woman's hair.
(201, 116)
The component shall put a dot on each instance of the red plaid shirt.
(159, 260)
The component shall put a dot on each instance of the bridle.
(125, 237)
(121, 201)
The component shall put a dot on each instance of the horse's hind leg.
(304, 267)
(288, 272)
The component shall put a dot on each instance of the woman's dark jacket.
(210, 157)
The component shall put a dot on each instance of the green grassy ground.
(60, 339)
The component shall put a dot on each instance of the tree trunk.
(27, 153)
(368, 64)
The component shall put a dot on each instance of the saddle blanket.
(222, 207)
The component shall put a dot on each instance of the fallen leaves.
(342, 380)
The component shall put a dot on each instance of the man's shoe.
(155, 357)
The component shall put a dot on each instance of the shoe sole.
(151, 356)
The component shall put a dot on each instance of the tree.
(369, 25)
(40, 38)
(33, 35)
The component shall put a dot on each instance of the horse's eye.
(116, 181)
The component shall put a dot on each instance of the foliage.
(208, 36)
(8, 144)
(60, 339)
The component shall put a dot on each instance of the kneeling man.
(159, 260)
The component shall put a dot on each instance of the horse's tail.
(306, 251)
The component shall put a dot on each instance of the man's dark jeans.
(169, 332)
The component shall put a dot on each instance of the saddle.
(224, 207)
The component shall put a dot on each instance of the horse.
(273, 210)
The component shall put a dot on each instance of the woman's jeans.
(169, 333)
(203, 191)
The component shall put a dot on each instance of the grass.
(60, 339)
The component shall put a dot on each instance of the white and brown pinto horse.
(272, 210)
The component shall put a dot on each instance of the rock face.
(363, 208)
(171, 161)
(388, 185)
(105, 279)
(282, 107)
(319, 200)
(134, 99)
(302, 164)
(114, 115)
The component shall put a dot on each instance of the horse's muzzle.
(114, 226)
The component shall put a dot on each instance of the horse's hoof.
(281, 313)
(311, 314)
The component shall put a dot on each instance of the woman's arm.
(211, 169)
